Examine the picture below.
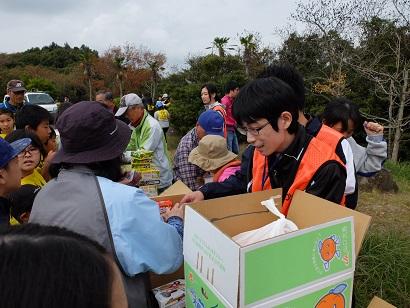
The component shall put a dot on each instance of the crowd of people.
(64, 184)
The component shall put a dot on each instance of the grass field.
(383, 266)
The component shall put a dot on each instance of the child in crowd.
(212, 155)
(35, 119)
(162, 116)
(343, 115)
(21, 203)
(29, 158)
(6, 122)
(10, 174)
(51, 144)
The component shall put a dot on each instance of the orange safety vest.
(222, 111)
(329, 136)
(316, 154)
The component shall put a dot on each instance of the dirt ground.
(388, 210)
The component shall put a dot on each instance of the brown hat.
(15, 85)
(90, 133)
(211, 153)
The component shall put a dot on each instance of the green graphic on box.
(296, 261)
(197, 293)
(338, 295)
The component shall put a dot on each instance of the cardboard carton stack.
(141, 162)
(311, 267)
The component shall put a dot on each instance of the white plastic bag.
(276, 228)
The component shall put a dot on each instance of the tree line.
(356, 49)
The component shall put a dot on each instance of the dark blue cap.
(212, 122)
(10, 150)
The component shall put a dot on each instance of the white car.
(42, 99)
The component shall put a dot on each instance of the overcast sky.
(176, 28)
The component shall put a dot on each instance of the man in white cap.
(147, 134)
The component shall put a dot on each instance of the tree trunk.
(90, 89)
(391, 120)
(397, 135)
(120, 88)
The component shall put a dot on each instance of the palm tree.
(120, 65)
(155, 65)
(220, 43)
(249, 46)
(87, 62)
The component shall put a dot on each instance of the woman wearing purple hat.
(85, 197)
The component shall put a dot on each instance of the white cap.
(127, 100)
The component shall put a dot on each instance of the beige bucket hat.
(211, 153)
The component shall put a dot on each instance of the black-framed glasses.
(31, 150)
(252, 131)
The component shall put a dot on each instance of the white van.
(42, 99)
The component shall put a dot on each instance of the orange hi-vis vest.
(222, 111)
(222, 169)
(316, 154)
(329, 136)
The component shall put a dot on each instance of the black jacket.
(328, 182)
(4, 211)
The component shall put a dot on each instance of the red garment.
(227, 101)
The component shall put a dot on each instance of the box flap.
(178, 188)
(307, 210)
(379, 303)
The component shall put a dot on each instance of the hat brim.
(17, 89)
(110, 150)
(18, 146)
(121, 111)
(209, 164)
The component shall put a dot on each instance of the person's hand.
(49, 157)
(131, 178)
(177, 210)
(192, 197)
(373, 128)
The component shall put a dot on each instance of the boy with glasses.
(10, 174)
(281, 153)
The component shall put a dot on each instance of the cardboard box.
(178, 188)
(322, 250)
(171, 295)
(159, 280)
(379, 303)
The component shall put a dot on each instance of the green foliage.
(400, 170)
(185, 86)
(42, 84)
(54, 56)
(382, 269)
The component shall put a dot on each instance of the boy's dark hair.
(291, 76)
(211, 89)
(230, 86)
(7, 111)
(22, 200)
(22, 133)
(64, 269)
(31, 116)
(266, 98)
(341, 110)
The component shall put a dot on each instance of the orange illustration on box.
(328, 249)
(334, 299)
